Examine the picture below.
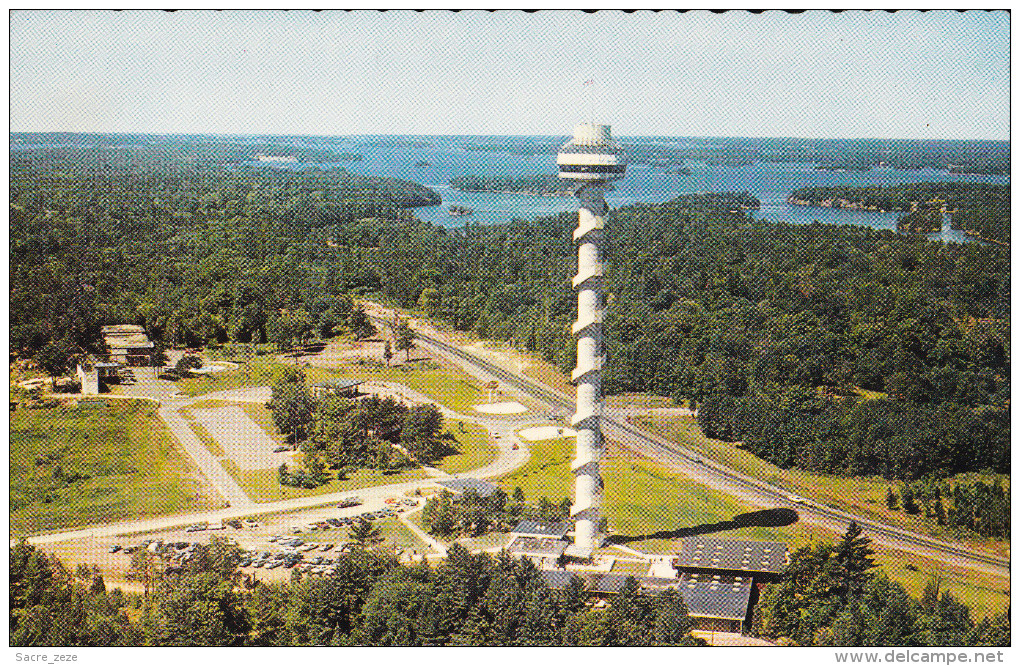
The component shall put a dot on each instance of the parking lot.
(271, 546)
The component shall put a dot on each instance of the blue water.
(396, 156)
(769, 182)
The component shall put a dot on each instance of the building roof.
(715, 595)
(483, 488)
(538, 547)
(541, 530)
(557, 579)
(125, 336)
(731, 555)
(613, 583)
(340, 383)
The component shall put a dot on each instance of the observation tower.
(590, 159)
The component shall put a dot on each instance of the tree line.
(832, 594)
(838, 349)
(980, 210)
(370, 600)
(835, 595)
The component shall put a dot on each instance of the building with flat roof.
(718, 602)
(343, 387)
(545, 553)
(537, 530)
(765, 560)
(462, 485)
(93, 371)
(128, 345)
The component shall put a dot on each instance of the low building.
(462, 485)
(343, 388)
(547, 554)
(93, 373)
(765, 561)
(717, 602)
(537, 530)
(128, 345)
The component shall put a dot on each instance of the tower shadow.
(781, 517)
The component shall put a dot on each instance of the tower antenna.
(590, 159)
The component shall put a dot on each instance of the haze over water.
(771, 183)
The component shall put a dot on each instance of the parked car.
(274, 564)
(327, 546)
(248, 522)
(334, 522)
(349, 502)
(281, 449)
(113, 549)
(274, 538)
(236, 524)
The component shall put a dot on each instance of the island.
(538, 185)
(923, 220)
(980, 210)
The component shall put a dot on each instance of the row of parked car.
(219, 525)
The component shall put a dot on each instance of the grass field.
(864, 496)
(472, 446)
(133, 465)
(262, 485)
(642, 498)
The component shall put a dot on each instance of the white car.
(250, 523)
(796, 498)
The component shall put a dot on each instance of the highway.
(724, 479)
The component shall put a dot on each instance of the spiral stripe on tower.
(591, 159)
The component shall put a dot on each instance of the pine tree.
(853, 554)
(365, 533)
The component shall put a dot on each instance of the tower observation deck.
(591, 159)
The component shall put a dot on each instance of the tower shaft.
(588, 373)
(590, 159)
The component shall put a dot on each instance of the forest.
(980, 210)
(837, 349)
(833, 595)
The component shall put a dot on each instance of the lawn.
(262, 485)
(471, 445)
(864, 496)
(642, 497)
(133, 465)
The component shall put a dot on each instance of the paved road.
(241, 505)
(211, 468)
(719, 477)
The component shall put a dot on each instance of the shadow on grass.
(766, 518)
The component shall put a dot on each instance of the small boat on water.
(457, 211)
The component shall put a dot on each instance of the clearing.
(864, 496)
(104, 462)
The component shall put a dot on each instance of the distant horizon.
(913, 75)
(549, 136)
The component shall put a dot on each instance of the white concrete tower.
(591, 159)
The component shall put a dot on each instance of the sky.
(909, 75)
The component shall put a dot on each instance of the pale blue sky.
(935, 75)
